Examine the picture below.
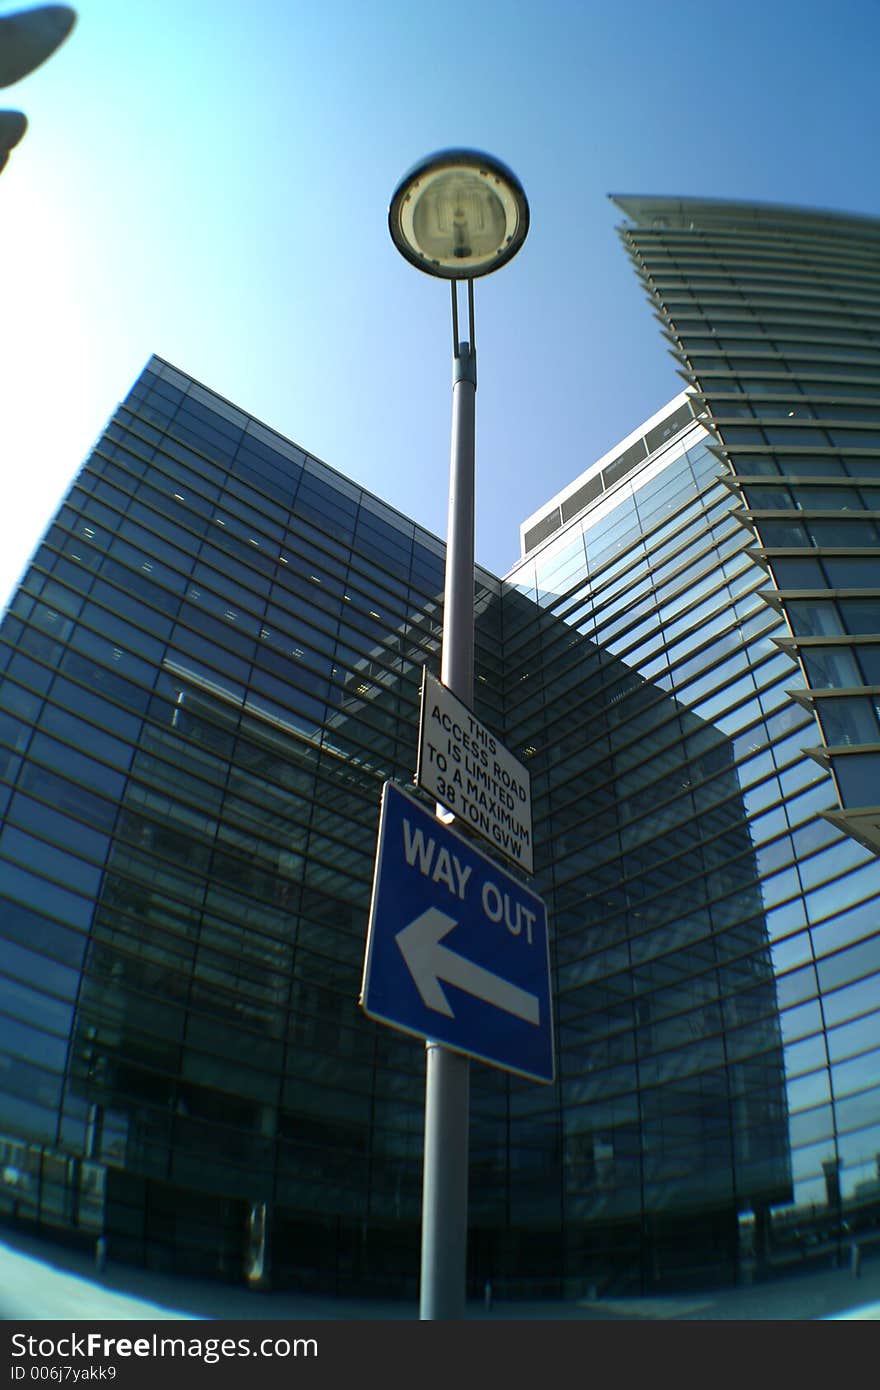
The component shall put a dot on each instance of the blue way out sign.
(457, 948)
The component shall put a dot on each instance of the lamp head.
(459, 214)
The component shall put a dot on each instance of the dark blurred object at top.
(27, 39)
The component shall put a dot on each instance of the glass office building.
(209, 670)
(774, 317)
(211, 667)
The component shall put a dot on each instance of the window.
(831, 666)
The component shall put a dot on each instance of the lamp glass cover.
(459, 215)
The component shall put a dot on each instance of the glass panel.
(858, 776)
(861, 615)
(849, 721)
(853, 572)
(815, 619)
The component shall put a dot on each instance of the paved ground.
(40, 1281)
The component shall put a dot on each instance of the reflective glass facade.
(209, 670)
(211, 667)
(716, 936)
(774, 316)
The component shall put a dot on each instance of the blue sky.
(209, 180)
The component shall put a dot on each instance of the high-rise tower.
(774, 316)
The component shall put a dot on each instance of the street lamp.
(457, 214)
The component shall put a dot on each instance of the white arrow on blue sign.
(457, 948)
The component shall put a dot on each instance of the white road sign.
(472, 774)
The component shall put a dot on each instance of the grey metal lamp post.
(457, 214)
